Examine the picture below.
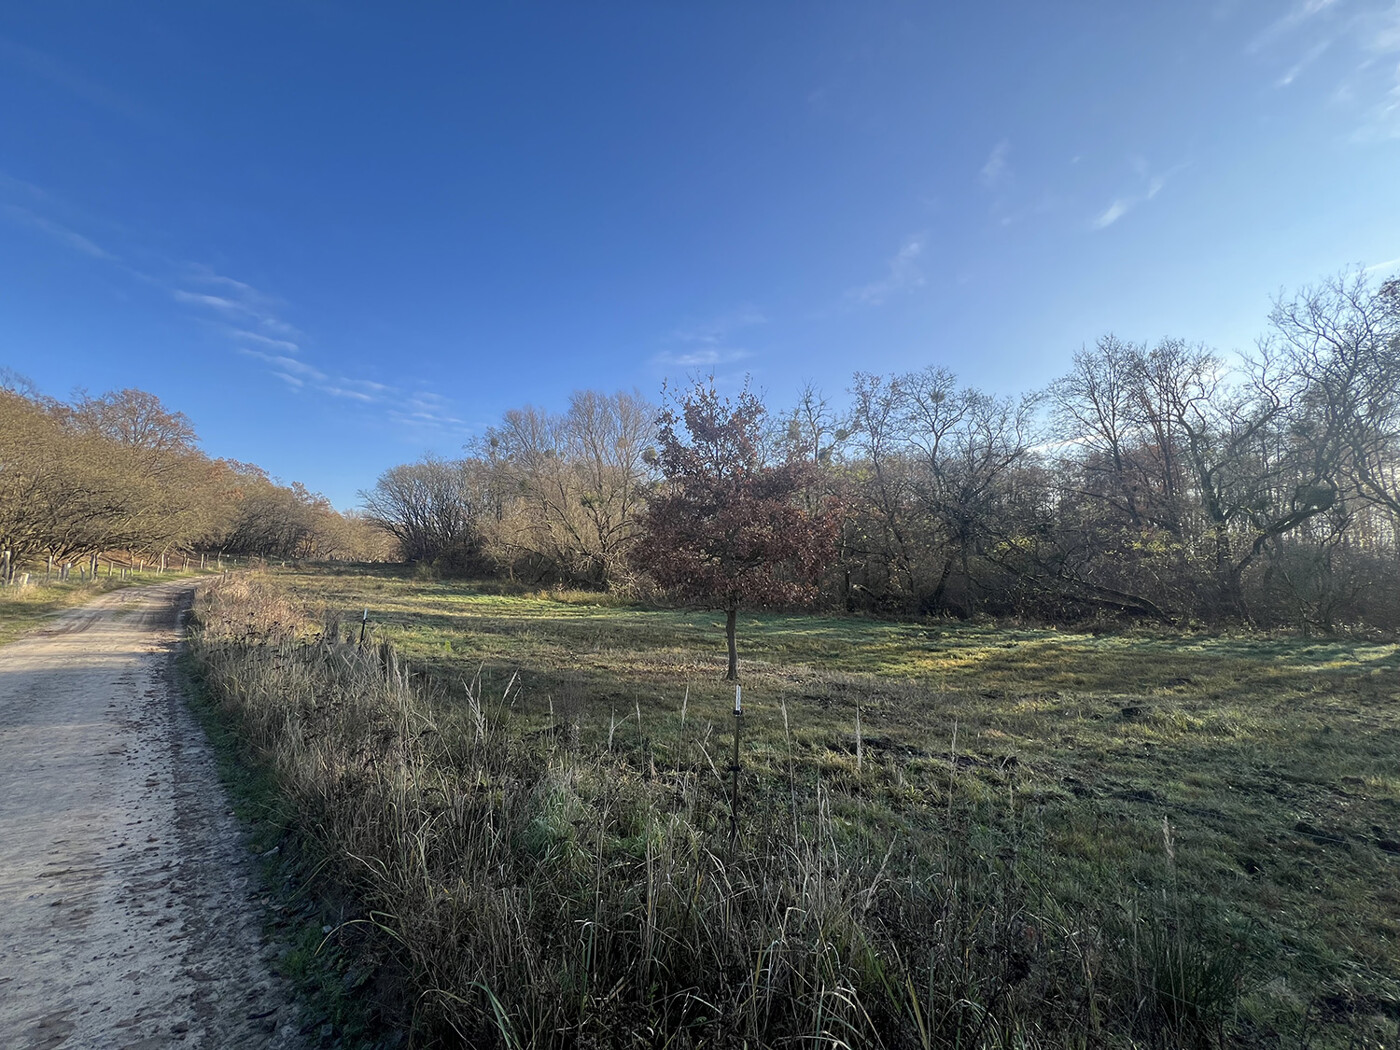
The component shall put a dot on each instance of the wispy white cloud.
(236, 300)
(23, 188)
(1381, 122)
(251, 321)
(216, 302)
(904, 274)
(708, 357)
(1046, 203)
(1152, 185)
(202, 274)
(243, 334)
(286, 364)
(997, 170)
(69, 78)
(1300, 14)
(1382, 267)
(430, 407)
(1380, 35)
(718, 329)
(272, 324)
(1112, 213)
(1311, 55)
(300, 375)
(368, 385)
(1009, 204)
(1382, 30)
(1368, 40)
(429, 423)
(256, 314)
(427, 414)
(708, 343)
(337, 391)
(59, 232)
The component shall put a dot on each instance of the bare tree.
(1195, 470)
(966, 444)
(885, 539)
(1095, 409)
(431, 507)
(573, 483)
(136, 420)
(1344, 336)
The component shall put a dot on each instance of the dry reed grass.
(539, 893)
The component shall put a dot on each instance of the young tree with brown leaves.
(725, 528)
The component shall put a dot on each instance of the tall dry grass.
(539, 893)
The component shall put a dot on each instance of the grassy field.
(1206, 828)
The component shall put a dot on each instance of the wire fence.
(93, 568)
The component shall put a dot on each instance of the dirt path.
(125, 913)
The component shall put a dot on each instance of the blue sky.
(338, 236)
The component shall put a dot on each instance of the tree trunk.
(936, 602)
(731, 616)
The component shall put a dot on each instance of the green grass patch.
(1253, 777)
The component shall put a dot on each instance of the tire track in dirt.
(126, 912)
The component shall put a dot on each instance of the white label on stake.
(738, 693)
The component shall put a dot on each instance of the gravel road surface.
(126, 911)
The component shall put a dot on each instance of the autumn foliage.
(725, 528)
(121, 473)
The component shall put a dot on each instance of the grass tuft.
(536, 820)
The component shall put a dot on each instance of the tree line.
(120, 472)
(1151, 481)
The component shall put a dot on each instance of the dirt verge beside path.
(126, 917)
